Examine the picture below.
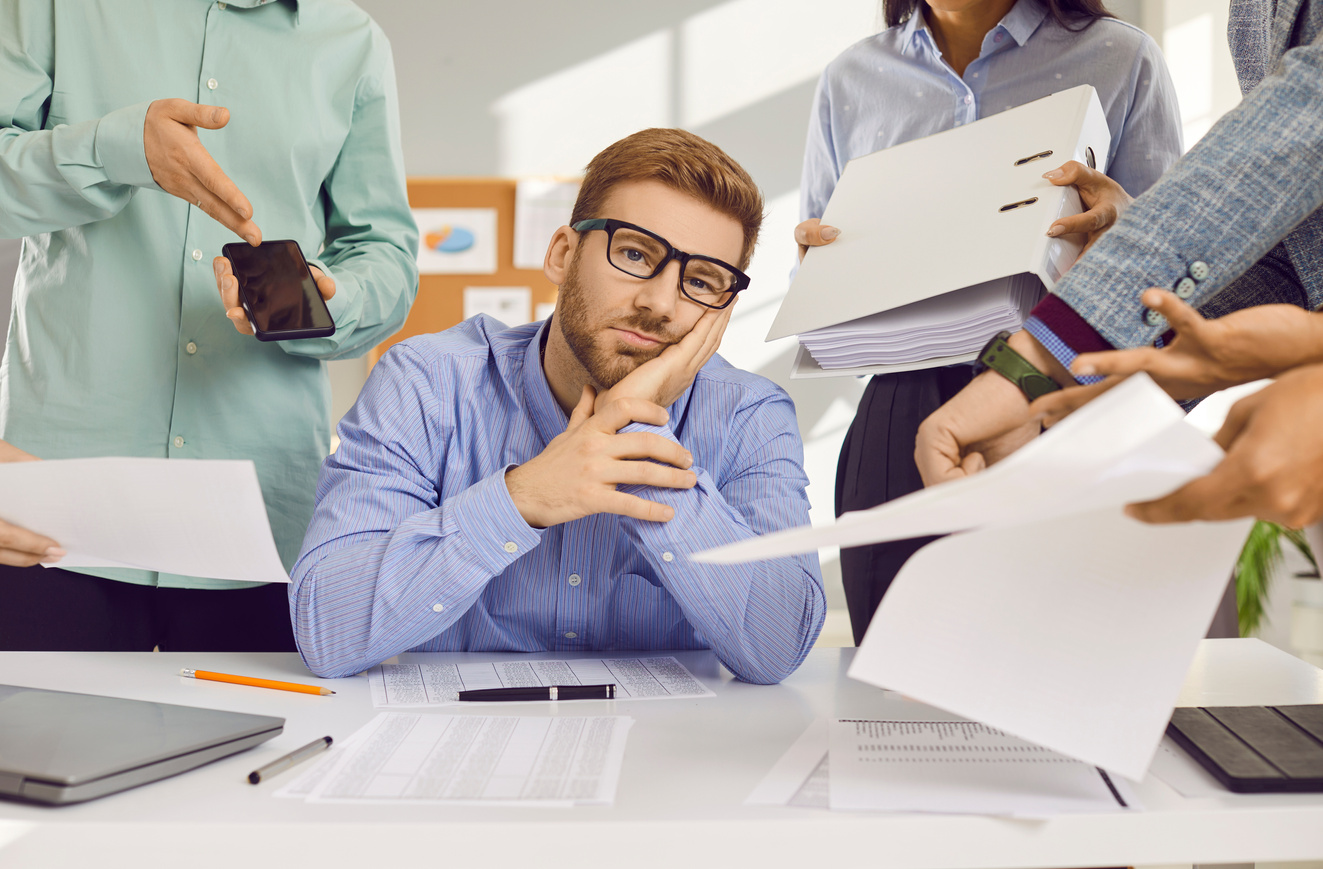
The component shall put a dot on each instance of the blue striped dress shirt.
(416, 545)
(894, 87)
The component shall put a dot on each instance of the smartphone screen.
(278, 292)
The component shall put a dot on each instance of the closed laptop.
(59, 747)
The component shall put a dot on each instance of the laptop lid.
(59, 747)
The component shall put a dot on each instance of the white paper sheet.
(957, 767)
(183, 516)
(427, 685)
(1057, 619)
(1130, 444)
(479, 760)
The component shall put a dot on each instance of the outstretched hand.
(18, 546)
(182, 167)
(1273, 469)
(813, 233)
(578, 472)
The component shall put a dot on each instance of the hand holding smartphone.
(278, 292)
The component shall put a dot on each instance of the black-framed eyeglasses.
(643, 254)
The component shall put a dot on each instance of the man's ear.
(556, 265)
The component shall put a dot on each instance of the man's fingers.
(1056, 406)
(1202, 499)
(646, 445)
(621, 412)
(220, 211)
(652, 474)
(1180, 316)
(584, 409)
(209, 172)
(624, 504)
(20, 543)
(1237, 419)
(813, 233)
(195, 115)
(325, 283)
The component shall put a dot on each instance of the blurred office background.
(523, 87)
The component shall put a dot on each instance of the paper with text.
(956, 767)
(415, 758)
(185, 516)
(426, 684)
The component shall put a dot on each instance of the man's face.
(613, 322)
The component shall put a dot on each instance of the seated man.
(538, 488)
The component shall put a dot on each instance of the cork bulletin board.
(440, 302)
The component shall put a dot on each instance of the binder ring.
(1021, 204)
(1031, 158)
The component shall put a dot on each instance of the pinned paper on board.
(457, 241)
(542, 206)
(511, 305)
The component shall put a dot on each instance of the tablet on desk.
(1255, 749)
(58, 747)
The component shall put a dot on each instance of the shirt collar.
(293, 5)
(1021, 22)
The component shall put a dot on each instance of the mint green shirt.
(119, 344)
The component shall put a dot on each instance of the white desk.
(688, 767)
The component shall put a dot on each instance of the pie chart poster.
(456, 241)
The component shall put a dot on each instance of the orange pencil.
(257, 683)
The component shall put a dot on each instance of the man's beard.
(607, 366)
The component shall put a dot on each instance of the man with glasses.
(539, 488)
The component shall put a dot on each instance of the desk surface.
(688, 767)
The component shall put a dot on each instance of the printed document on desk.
(438, 684)
(402, 758)
(185, 516)
(1053, 616)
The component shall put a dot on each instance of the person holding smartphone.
(942, 64)
(125, 178)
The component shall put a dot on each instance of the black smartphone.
(278, 292)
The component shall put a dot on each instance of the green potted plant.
(1259, 560)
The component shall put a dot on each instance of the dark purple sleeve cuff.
(1069, 326)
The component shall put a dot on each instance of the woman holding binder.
(941, 64)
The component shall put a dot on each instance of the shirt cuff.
(489, 521)
(346, 306)
(120, 148)
(1064, 333)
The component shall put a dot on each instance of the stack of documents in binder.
(943, 241)
(945, 329)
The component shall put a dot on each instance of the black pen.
(552, 692)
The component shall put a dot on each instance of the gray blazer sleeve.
(1253, 182)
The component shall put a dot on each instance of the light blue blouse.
(895, 87)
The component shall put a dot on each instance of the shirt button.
(222, 6)
(569, 635)
(436, 607)
(1198, 270)
(179, 440)
(1153, 318)
(190, 348)
(1184, 288)
(968, 100)
(511, 547)
(666, 556)
(575, 579)
(197, 255)
(212, 84)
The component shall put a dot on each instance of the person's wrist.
(1040, 357)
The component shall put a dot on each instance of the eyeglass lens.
(641, 255)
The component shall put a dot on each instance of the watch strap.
(998, 356)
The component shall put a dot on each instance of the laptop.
(57, 747)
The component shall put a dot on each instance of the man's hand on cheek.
(577, 474)
(663, 380)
